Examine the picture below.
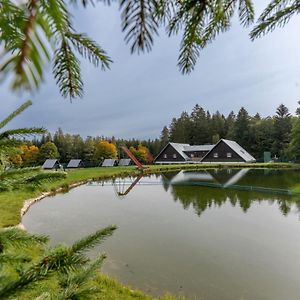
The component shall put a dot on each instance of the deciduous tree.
(105, 149)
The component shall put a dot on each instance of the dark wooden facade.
(222, 153)
(196, 155)
(169, 154)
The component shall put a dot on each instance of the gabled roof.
(108, 162)
(198, 148)
(74, 163)
(247, 157)
(180, 148)
(177, 146)
(124, 162)
(239, 150)
(49, 163)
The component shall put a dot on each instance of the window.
(229, 154)
(192, 155)
(165, 156)
(174, 155)
(216, 155)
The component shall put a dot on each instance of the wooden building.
(51, 164)
(224, 151)
(75, 163)
(228, 151)
(182, 153)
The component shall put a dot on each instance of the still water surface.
(219, 241)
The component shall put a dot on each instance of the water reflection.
(215, 187)
(242, 187)
(159, 246)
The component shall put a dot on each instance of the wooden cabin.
(228, 152)
(75, 163)
(224, 151)
(51, 164)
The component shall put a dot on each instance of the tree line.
(92, 150)
(279, 134)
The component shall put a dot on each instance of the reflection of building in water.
(224, 177)
(239, 187)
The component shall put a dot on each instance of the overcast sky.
(142, 93)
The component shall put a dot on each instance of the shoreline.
(154, 169)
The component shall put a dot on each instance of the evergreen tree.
(229, 126)
(241, 129)
(180, 129)
(199, 128)
(298, 109)
(282, 130)
(217, 127)
(293, 150)
(165, 136)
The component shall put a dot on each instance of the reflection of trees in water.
(202, 198)
(271, 178)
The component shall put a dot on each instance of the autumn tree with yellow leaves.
(105, 149)
(142, 153)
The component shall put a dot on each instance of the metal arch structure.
(120, 186)
(133, 158)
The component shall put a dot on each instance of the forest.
(279, 134)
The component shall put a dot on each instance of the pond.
(214, 234)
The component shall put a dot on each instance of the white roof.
(198, 148)
(108, 162)
(49, 163)
(74, 163)
(239, 150)
(124, 162)
(180, 148)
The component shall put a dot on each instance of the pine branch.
(28, 28)
(15, 113)
(11, 259)
(91, 240)
(193, 14)
(67, 71)
(139, 23)
(89, 49)
(18, 239)
(278, 19)
(21, 132)
(61, 258)
(246, 12)
(77, 285)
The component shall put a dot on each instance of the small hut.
(51, 164)
(109, 162)
(124, 162)
(75, 163)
